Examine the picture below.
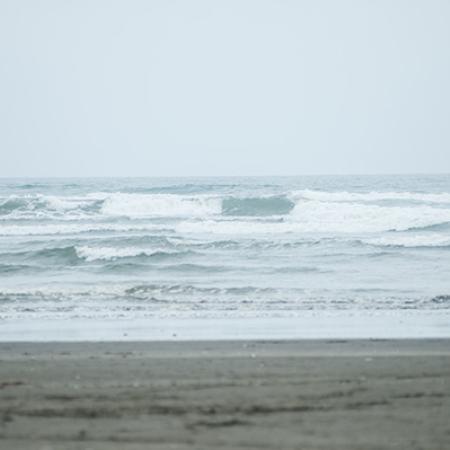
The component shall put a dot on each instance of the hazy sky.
(158, 88)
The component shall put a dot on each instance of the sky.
(224, 87)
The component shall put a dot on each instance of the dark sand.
(226, 395)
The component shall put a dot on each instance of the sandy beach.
(370, 394)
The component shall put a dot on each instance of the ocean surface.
(223, 247)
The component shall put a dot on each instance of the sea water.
(246, 248)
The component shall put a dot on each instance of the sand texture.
(226, 395)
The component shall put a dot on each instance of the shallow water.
(223, 247)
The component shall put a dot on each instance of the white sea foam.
(328, 217)
(344, 196)
(52, 202)
(416, 240)
(112, 253)
(64, 203)
(344, 217)
(160, 205)
(38, 206)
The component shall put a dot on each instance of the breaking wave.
(162, 205)
(114, 253)
(40, 206)
(413, 241)
(171, 205)
(72, 255)
(309, 210)
(326, 217)
(137, 205)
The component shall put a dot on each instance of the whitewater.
(218, 248)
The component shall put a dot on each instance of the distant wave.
(302, 212)
(187, 188)
(37, 206)
(354, 217)
(325, 217)
(171, 205)
(162, 205)
(344, 196)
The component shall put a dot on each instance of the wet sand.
(373, 394)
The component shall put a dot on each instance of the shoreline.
(315, 394)
(377, 324)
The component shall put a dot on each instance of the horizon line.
(390, 174)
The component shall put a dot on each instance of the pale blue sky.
(160, 88)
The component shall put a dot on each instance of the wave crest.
(326, 217)
(307, 211)
(412, 241)
(374, 196)
(113, 253)
(38, 206)
(159, 205)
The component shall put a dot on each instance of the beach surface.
(335, 394)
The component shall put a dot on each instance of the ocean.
(246, 248)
